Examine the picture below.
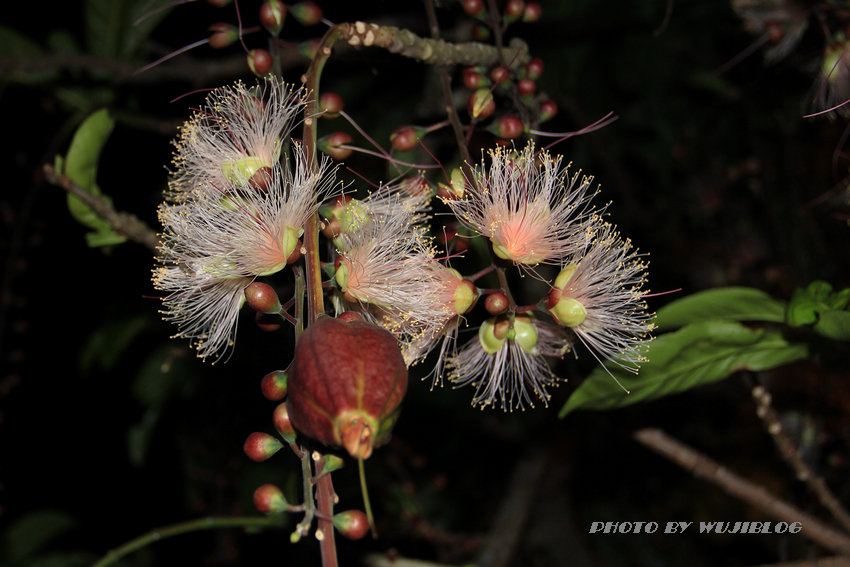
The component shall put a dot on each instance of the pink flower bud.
(263, 298)
(353, 524)
(269, 499)
(274, 384)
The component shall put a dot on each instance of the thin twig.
(789, 452)
(186, 527)
(125, 223)
(703, 467)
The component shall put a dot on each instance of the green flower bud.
(486, 336)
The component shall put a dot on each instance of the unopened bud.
(260, 446)
(222, 35)
(334, 145)
(274, 384)
(263, 298)
(308, 13)
(260, 62)
(272, 15)
(268, 499)
(282, 423)
(532, 12)
(507, 127)
(330, 104)
(496, 303)
(481, 104)
(353, 524)
(525, 335)
(488, 339)
(405, 138)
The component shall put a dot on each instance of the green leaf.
(697, 354)
(84, 152)
(116, 28)
(111, 340)
(834, 325)
(33, 532)
(14, 45)
(80, 165)
(731, 303)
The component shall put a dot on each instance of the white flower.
(599, 295)
(238, 132)
(506, 363)
(218, 239)
(526, 204)
(387, 270)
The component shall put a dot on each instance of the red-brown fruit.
(346, 384)
(353, 524)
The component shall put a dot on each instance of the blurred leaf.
(817, 305)
(34, 531)
(834, 325)
(694, 355)
(115, 28)
(14, 45)
(166, 374)
(731, 303)
(108, 343)
(139, 436)
(64, 559)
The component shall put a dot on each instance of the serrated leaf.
(730, 303)
(834, 325)
(697, 354)
(34, 531)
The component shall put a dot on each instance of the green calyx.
(569, 312)
(487, 337)
(525, 335)
(243, 169)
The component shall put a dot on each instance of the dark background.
(715, 175)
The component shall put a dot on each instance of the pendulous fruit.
(346, 384)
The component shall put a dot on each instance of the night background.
(109, 428)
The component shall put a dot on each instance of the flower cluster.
(234, 211)
(534, 212)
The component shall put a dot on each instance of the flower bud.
(525, 335)
(268, 499)
(263, 298)
(500, 75)
(496, 303)
(268, 323)
(526, 86)
(532, 12)
(481, 104)
(272, 14)
(474, 79)
(260, 446)
(508, 127)
(259, 62)
(274, 385)
(346, 384)
(332, 144)
(307, 13)
(330, 104)
(223, 35)
(514, 10)
(405, 138)
(283, 424)
(353, 524)
(548, 110)
(534, 68)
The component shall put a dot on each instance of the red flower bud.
(526, 86)
(534, 68)
(532, 12)
(473, 7)
(332, 145)
(260, 62)
(272, 14)
(507, 127)
(268, 499)
(405, 138)
(263, 298)
(260, 446)
(274, 385)
(481, 104)
(283, 424)
(308, 13)
(330, 104)
(496, 303)
(353, 524)
(346, 384)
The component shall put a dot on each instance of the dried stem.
(124, 223)
(433, 51)
(705, 468)
(788, 451)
